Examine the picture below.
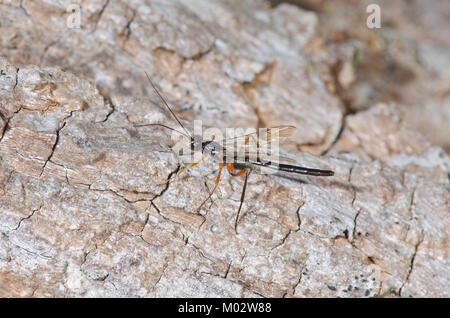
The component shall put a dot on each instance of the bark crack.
(26, 218)
(411, 264)
(53, 148)
(358, 210)
(299, 280)
(6, 119)
(169, 178)
(283, 240)
(23, 8)
(111, 110)
(100, 14)
(201, 54)
(127, 29)
(338, 135)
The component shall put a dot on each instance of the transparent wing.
(259, 138)
(279, 131)
(243, 157)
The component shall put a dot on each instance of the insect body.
(247, 152)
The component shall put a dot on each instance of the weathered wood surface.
(86, 204)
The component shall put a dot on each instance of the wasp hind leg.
(230, 169)
(247, 173)
(215, 186)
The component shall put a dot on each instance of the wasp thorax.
(212, 148)
(196, 143)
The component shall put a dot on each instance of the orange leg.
(215, 186)
(189, 166)
(230, 169)
(245, 142)
(194, 163)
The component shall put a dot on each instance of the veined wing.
(260, 138)
(261, 156)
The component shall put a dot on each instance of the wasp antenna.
(180, 132)
(167, 105)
